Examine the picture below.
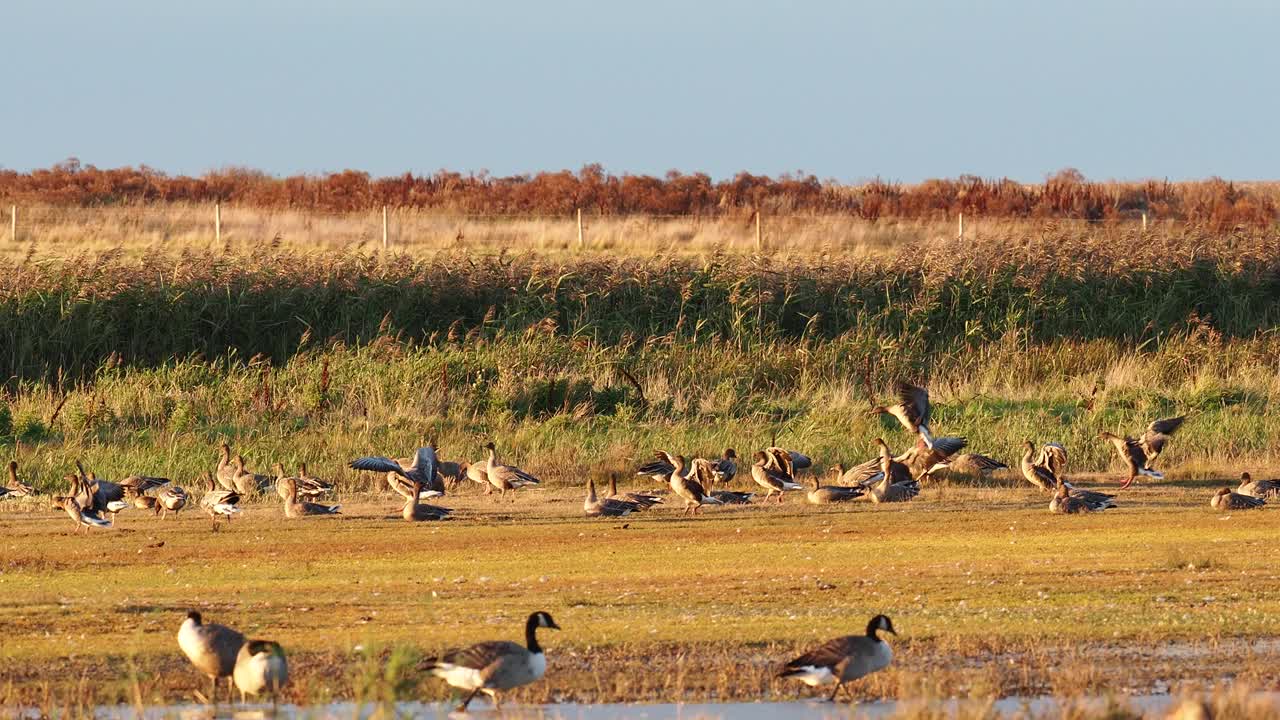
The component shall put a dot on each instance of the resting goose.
(595, 506)
(1067, 501)
(1257, 488)
(260, 667)
(415, 511)
(246, 482)
(896, 483)
(764, 472)
(310, 486)
(912, 410)
(844, 659)
(226, 471)
(287, 487)
(1224, 499)
(211, 648)
(492, 666)
(689, 489)
(975, 465)
(402, 474)
(827, 494)
(727, 466)
(1038, 475)
(506, 477)
(642, 500)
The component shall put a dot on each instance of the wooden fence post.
(384, 227)
(759, 235)
(13, 223)
(960, 227)
(217, 222)
(582, 242)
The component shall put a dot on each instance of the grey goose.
(923, 460)
(416, 511)
(844, 659)
(219, 503)
(1054, 457)
(226, 472)
(975, 465)
(81, 517)
(245, 482)
(287, 487)
(787, 462)
(261, 667)
(172, 500)
(210, 647)
(424, 469)
(1068, 501)
(689, 489)
(660, 467)
(896, 483)
(496, 665)
(1224, 499)
(827, 494)
(644, 501)
(506, 477)
(596, 506)
(1038, 475)
(15, 487)
(764, 470)
(1139, 454)
(1257, 488)
(912, 410)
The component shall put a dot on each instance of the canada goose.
(690, 489)
(975, 465)
(595, 506)
(1258, 488)
(287, 487)
(644, 501)
(764, 472)
(172, 500)
(896, 483)
(246, 482)
(912, 410)
(660, 467)
(1054, 457)
(1067, 501)
(309, 486)
(844, 659)
(401, 474)
(81, 517)
(827, 494)
(219, 502)
(496, 665)
(923, 460)
(415, 511)
(211, 648)
(1038, 475)
(260, 667)
(727, 466)
(506, 477)
(1134, 456)
(1224, 499)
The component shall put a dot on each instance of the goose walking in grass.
(596, 506)
(844, 659)
(261, 667)
(423, 469)
(81, 517)
(1224, 499)
(1139, 454)
(15, 487)
(643, 501)
(827, 494)
(211, 648)
(172, 500)
(764, 472)
(1038, 475)
(490, 667)
(1053, 456)
(912, 410)
(896, 483)
(416, 511)
(1257, 488)
(219, 503)
(1067, 501)
(287, 487)
(506, 477)
(689, 489)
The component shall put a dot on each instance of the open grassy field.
(992, 595)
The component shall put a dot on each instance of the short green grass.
(992, 594)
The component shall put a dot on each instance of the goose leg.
(1126, 482)
(463, 706)
(836, 691)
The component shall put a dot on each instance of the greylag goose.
(643, 500)
(1068, 501)
(1224, 499)
(595, 506)
(506, 477)
(912, 410)
(764, 472)
(1038, 475)
(689, 489)
(402, 474)
(1257, 488)
(827, 494)
(287, 487)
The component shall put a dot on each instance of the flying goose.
(1134, 456)
(1054, 457)
(506, 477)
(226, 471)
(1224, 499)
(1038, 475)
(1258, 488)
(643, 501)
(923, 460)
(1067, 501)
(219, 502)
(690, 489)
(496, 665)
(287, 487)
(402, 474)
(16, 487)
(415, 511)
(764, 472)
(260, 667)
(595, 506)
(827, 494)
(912, 410)
(81, 517)
(172, 500)
(975, 465)
(211, 648)
(844, 659)
(896, 483)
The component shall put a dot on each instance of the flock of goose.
(887, 478)
(258, 667)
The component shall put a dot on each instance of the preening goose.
(172, 500)
(311, 487)
(210, 647)
(689, 489)
(423, 470)
(506, 477)
(260, 668)
(1038, 475)
(764, 472)
(595, 506)
(896, 483)
(1134, 456)
(1257, 488)
(1068, 501)
(1054, 457)
(827, 494)
(287, 487)
(844, 659)
(1224, 499)
(644, 501)
(912, 410)
(492, 666)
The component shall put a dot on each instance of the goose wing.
(484, 657)
(827, 655)
(1054, 457)
(427, 464)
(704, 472)
(377, 463)
(914, 401)
(779, 461)
(1157, 434)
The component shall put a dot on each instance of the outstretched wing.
(378, 464)
(915, 401)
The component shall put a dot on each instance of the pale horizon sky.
(843, 90)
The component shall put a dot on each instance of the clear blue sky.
(844, 90)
